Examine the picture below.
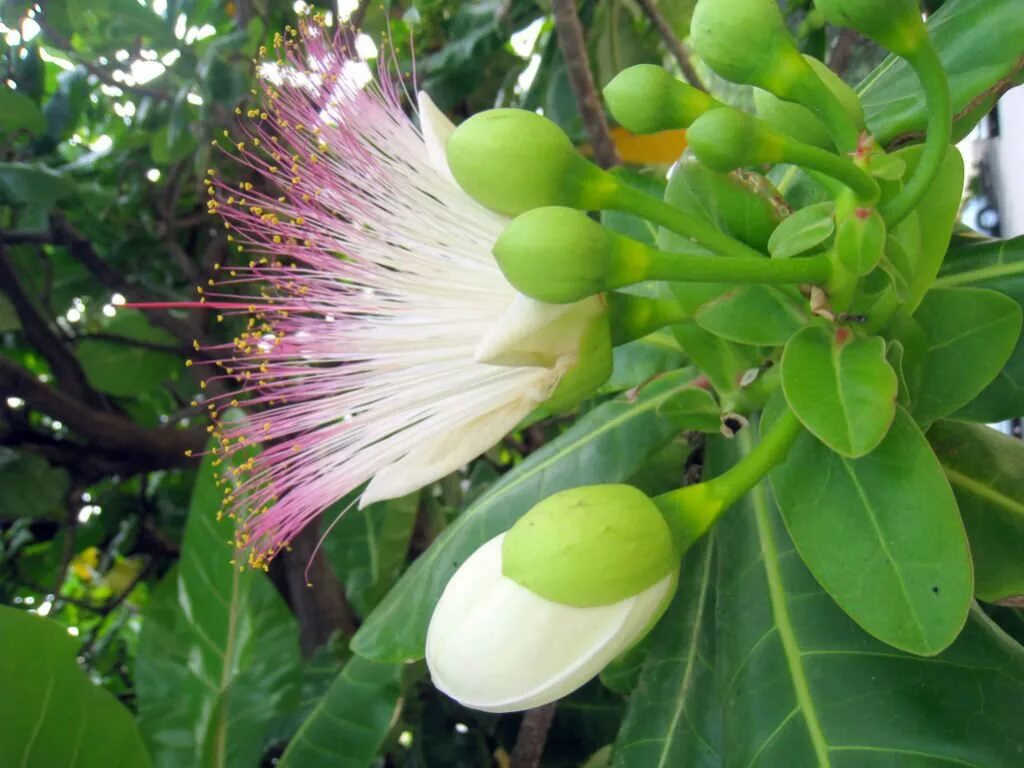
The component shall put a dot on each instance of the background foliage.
(107, 112)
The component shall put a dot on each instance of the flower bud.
(590, 546)
(499, 645)
(726, 139)
(513, 160)
(799, 122)
(896, 24)
(558, 255)
(646, 99)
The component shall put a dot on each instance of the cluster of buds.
(423, 289)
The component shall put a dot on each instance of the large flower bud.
(512, 161)
(896, 24)
(646, 99)
(536, 612)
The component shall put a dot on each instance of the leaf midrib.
(987, 492)
(780, 614)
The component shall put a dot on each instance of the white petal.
(533, 333)
(435, 128)
(453, 448)
(495, 646)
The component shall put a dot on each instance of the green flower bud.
(896, 24)
(590, 546)
(726, 139)
(560, 255)
(647, 99)
(798, 121)
(746, 41)
(512, 160)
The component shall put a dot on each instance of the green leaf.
(19, 113)
(997, 265)
(639, 360)
(34, 185)
(970, 334)
(673, 713)
(840, 387)
(50, 712)
(368, 547)
(607, 445)
(722, 361)
(350, 723)
(805, 229)
(120, 368)
(762, 315)
(979, 45)
(803, 686)
(882, 535)
(30, 487)
(692, 408)
(985, 469)
(218, 656)
(923, 237)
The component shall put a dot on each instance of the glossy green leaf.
(19, 113)
(986, 470)
(121, 368)
(607, 445)
(723, 362)
(352, 719)
(51, 714)
(840, 387)
(997, 265)
(754, 314)
(970, 333)
(30, 487)
(218, 657)
(802, 685)
(636, 362)
(692, 408)
(979, 45)
(33, 185)
(673, 717)
(924, 235)
(367, 547)
(803, 230)
(882, 535)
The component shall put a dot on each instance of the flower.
(537, 611)
(383, 344)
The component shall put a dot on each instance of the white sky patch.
(63, 63)
(29, 29)
(365, 47)
(15, 403)
(525, 40)
(153, 174)
(170, 57)
(195, 99)
(117, 299)
(102, 143)
(346, 8)
(159, 7)
(144, 71)
(528, 75)
(109, 310)
(180, 26)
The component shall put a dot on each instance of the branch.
(355, 21)
(574, 51)
(532, 736)
(839, 56)
(41, 336)
(149, 448)
(677, 49)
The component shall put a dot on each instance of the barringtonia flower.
(537, 611)
(383, 345)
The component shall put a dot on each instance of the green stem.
(630, 200)
(839, 168)
(692, 510)
(633, 317)
(928, 66)
(728, 269)
(818, 97)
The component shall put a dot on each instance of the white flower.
(385, 346)
(495, 646)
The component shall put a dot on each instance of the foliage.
(843, 613)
